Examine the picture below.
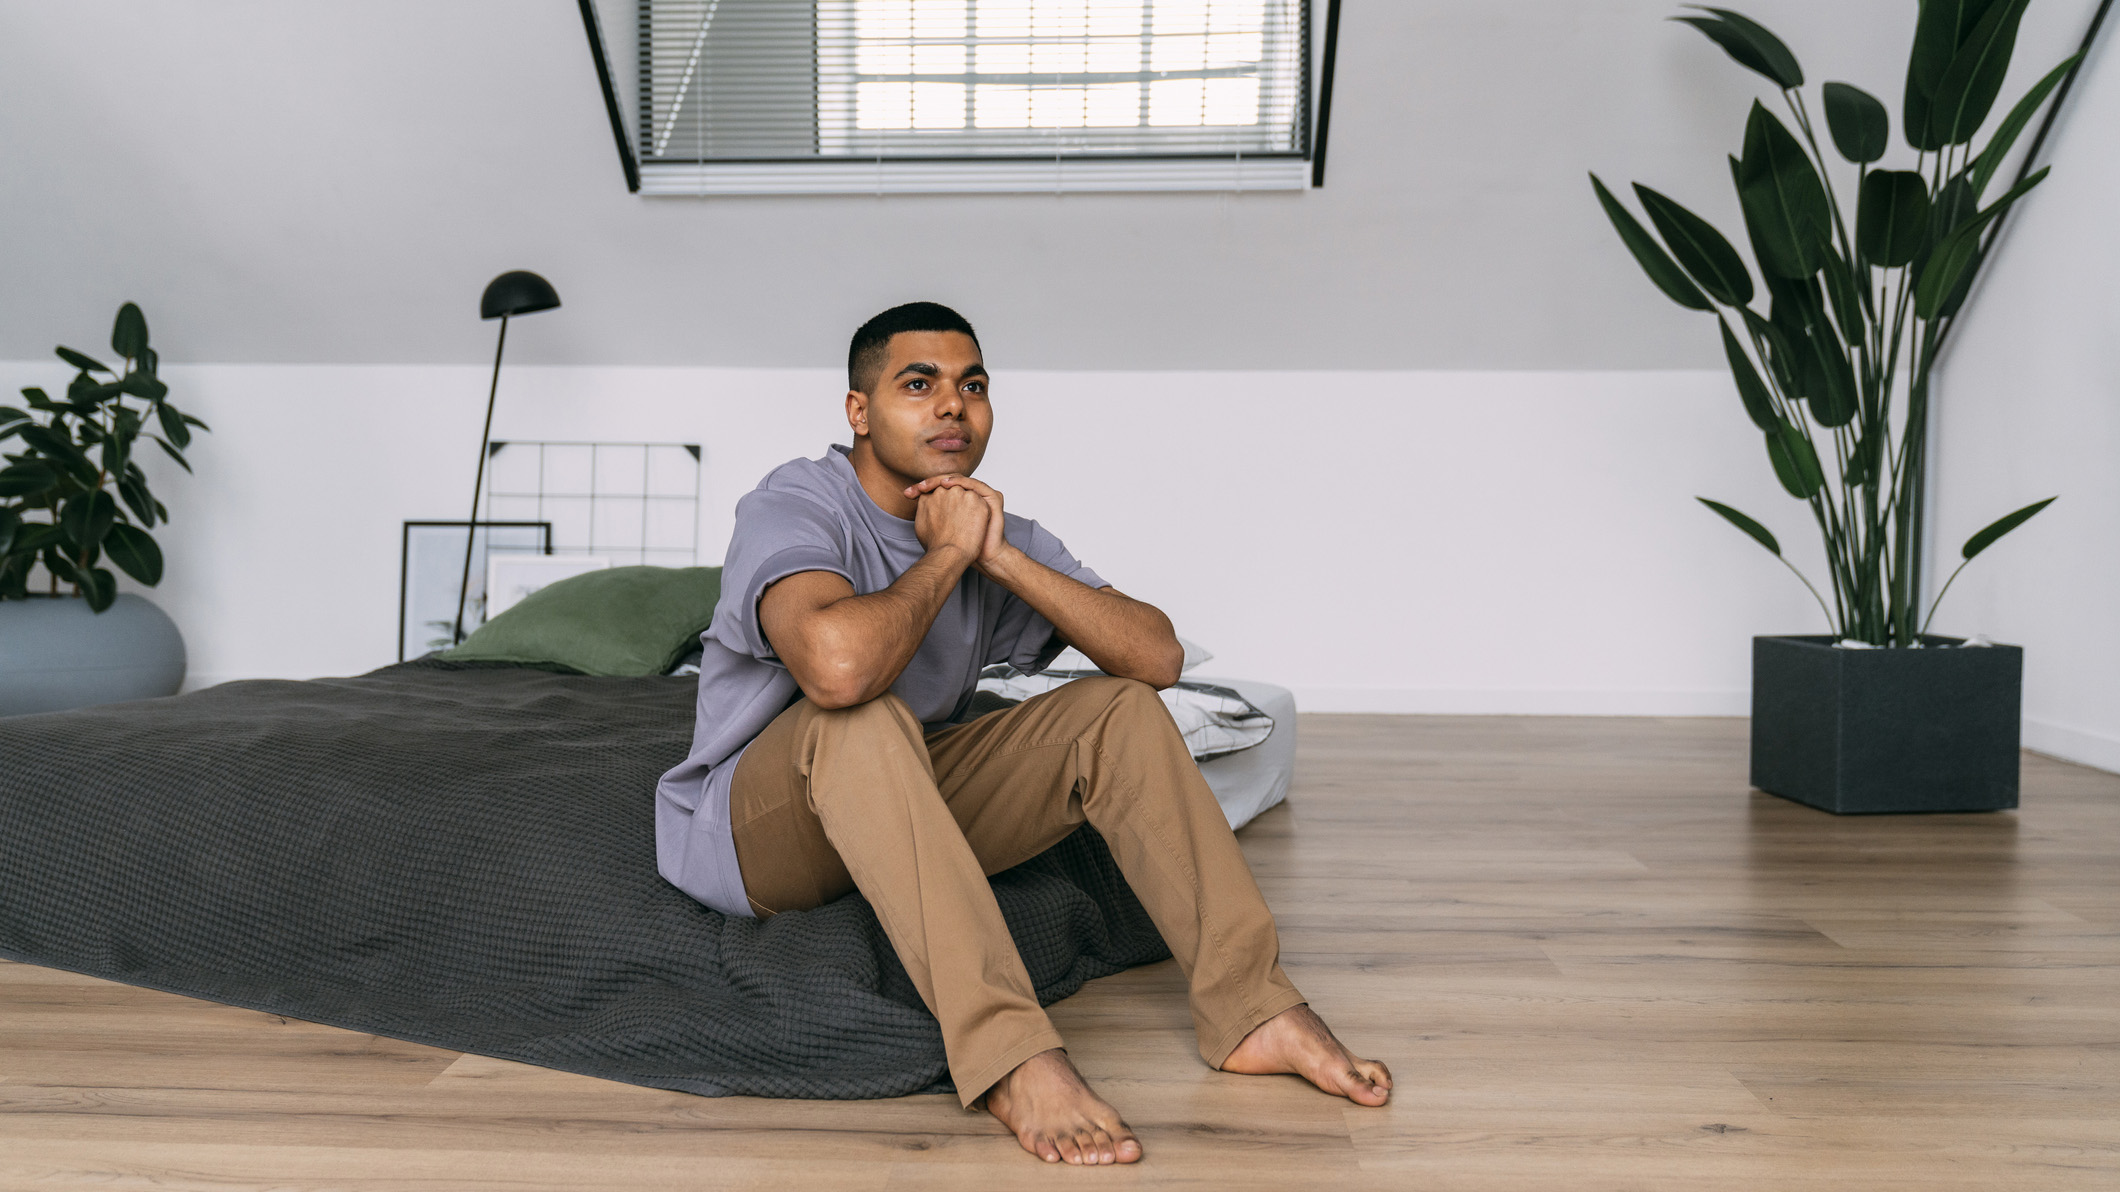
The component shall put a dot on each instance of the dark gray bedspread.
(465, 857)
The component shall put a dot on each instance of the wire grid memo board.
(628, 502)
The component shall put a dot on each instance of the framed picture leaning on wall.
(431, 566)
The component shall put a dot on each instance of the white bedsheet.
(1250, 781)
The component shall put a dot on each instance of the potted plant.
(72, 498)
(1836, 376)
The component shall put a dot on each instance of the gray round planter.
(56, 654)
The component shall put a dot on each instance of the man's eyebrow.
(922, 367)
(976, 370)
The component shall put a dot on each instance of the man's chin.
(946, 463)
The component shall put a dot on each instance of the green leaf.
(114, 453)
(1700, 249)
(144, 384)
(84, 363)
(135, 553)
(128, 336)
(191, 421)
(1939, 30)
(1759, 404)
(1998, 146)
(1829, 380)
(172, 452)
(58, 449)
(1795, 461)
(1845, 294)
(35, 536)
(10, 521)
(1949, 206)
(2003, 525)
(173, 426)
(38, 400)
(1859, 471)
(11, 414)
(1968, 89)
(100, 587)
(1784, 202)
(1749, 43)
(1861, 127)
(1759, 533)
(1779, 357)
(1954, 258)
(88, 518)
(132, 488)
(1892, 217)
(61, 566)
(1653, 259)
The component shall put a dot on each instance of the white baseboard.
(2072, 744)
(1431, 702)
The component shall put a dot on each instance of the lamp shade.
(516, 292)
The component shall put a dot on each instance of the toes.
(1127, 1149)
(1042, 1147)
(1100, 1144)
(1070, 1149)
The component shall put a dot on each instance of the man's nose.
(950, 404)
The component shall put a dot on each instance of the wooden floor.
(1594, 959)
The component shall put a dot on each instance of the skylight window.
(751, 96)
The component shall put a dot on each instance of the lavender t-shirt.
(812, 515)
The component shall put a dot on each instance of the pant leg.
(1106, 750)
(825, 801)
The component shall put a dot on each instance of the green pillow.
(621, 621)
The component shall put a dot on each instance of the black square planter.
(1869, 731)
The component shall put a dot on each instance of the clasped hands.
(959, 511)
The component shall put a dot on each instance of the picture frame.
(431, 568)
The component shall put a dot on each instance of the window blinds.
(971, 94)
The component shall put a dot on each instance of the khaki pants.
(825, 802)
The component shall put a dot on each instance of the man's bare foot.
(1051, 1111)
(1297, 1041)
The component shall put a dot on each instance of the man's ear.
(858, 411)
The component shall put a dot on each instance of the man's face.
(928, 414)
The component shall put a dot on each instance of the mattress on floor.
(464, 856)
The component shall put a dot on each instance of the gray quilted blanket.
(464, 856)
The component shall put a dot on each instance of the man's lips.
(950, 441)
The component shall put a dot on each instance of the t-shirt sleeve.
(777, 534)
(1023, 638)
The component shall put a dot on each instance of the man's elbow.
(1165, 669)
(836, 687)
(831, 696)
(831, 679)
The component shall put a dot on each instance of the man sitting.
(862, 594)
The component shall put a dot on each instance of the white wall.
(335, 182)
(1446, 542)
(2031, 408)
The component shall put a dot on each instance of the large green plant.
(72, 497)
(1836, 375)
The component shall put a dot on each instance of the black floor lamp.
(517, 292)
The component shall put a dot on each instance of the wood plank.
(1593, 957)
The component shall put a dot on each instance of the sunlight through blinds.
(789, 83)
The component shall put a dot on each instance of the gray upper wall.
(331, 182)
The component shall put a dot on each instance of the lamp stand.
(463, 590)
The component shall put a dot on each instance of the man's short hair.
(871, 346)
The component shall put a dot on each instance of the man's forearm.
(857, 646)
(1123, 636)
